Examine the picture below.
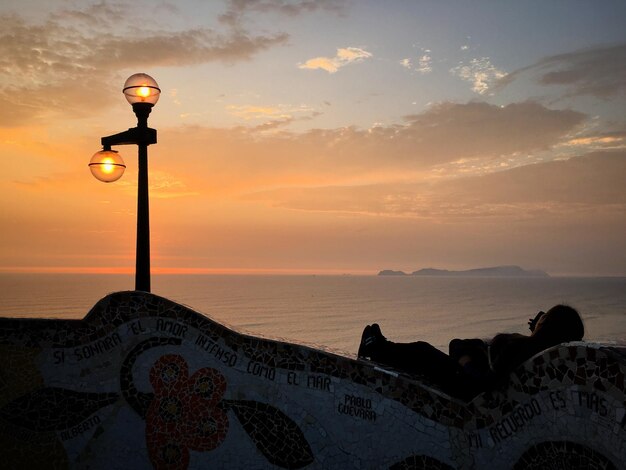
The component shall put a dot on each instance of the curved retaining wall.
(143, 382)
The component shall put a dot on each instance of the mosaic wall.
(143, 382)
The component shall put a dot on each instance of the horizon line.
(226, 271)
(182, 271)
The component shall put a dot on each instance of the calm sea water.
(331, 310)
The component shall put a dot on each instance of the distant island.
(496, 271)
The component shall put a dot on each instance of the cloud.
(167, 186)
(184, 48)
(374, 200)
(345, 56)
(43, 67)
(424, 63)
(239, 8)
(425, 146)
(248, 112)
(599, 72)
(279, 116)
(580, 186)
(59, 48)
(449, 131)
(594, 178)
(602, 141)
(395, 171)
(481, 73)
(94, 15)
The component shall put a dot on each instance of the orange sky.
(285, 148)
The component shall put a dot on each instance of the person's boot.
(375, 330)
(364, 346)
(371, 340)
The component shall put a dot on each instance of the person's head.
(560, 324)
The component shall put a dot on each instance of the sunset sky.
(318, 136)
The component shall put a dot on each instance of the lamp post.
(142, 92)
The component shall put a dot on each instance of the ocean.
(331, 311)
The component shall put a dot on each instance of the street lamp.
(142, 92)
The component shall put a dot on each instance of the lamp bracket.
(135, 135)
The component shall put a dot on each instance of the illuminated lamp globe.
(141, 88)
(107, 166)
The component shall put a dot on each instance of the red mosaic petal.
(166, 453)
(169, 374)
(207, 385)
(205, 430)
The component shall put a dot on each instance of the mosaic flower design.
(185, 413)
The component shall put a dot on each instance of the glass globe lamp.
(141, 88)
(107, 166)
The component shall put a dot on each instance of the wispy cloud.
(613, 140)
(449, 131)
(239, 8)
(167, 186)
(45, 67)
(441, 135)
(581, 185)
(424, 63)
(60, 49)
(249, 112)
(274, 116)
(594, 178)
(480, 72)
(600, 71)
(345, 56)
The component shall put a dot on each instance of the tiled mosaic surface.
(143, 382)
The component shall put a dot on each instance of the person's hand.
(532, 322)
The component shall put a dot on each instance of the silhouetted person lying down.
(473, 365)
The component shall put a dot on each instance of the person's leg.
(415, 358)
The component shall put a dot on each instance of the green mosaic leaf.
(276, 435)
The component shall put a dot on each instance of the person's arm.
(532, 322)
